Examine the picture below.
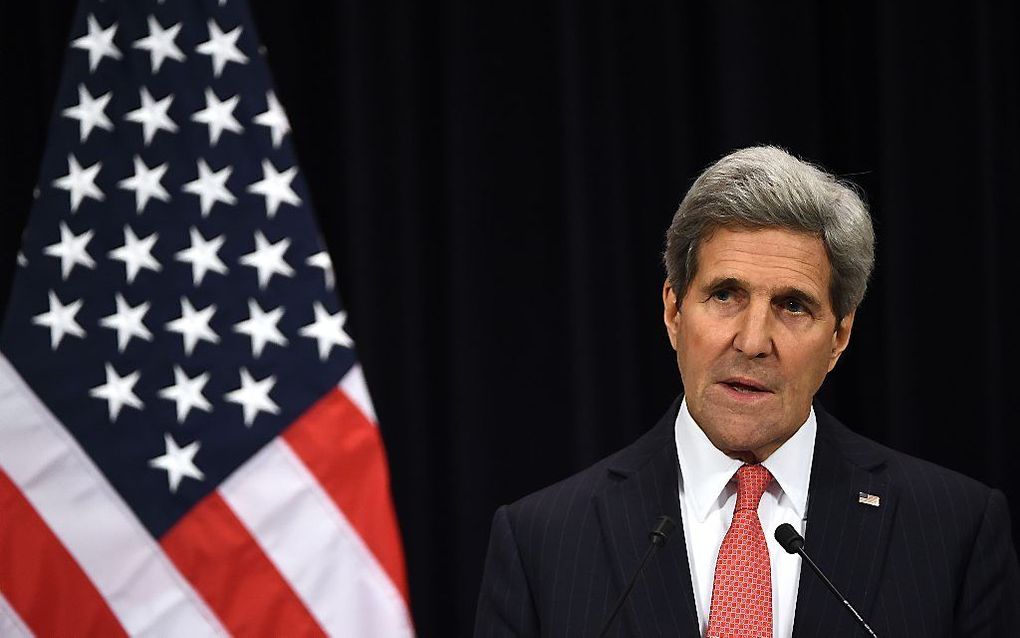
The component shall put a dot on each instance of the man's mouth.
(745, 385)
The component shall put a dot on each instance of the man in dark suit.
(767, 259)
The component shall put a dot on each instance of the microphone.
(793, 543)
(658, 536)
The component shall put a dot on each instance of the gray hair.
(766, 187)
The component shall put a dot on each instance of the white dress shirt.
(708, 494)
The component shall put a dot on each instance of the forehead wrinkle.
(768, 237)
(809, 276)
(806, 257)
(775, 242)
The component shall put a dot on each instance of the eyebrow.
(786, 292)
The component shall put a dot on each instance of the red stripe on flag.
(36, 571)
(345, 453)
(214, 551)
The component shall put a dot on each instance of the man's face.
(755, 335)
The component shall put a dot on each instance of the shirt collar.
(705, 470)
(790, 465)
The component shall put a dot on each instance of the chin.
(742, 445)
(741, 435)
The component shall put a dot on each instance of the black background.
(494, 180)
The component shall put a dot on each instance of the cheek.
(698, 347)
(808, 367)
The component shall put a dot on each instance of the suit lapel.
(846, 538)
(643, 485)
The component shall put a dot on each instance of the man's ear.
(841, 338)
(670, 310)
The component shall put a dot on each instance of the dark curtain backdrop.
(494, 179)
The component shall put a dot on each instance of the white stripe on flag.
(144, 590)
(314, 546)
(11, 623)
(354, 386)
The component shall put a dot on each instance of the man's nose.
(754, 331)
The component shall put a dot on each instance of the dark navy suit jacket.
(935, 558)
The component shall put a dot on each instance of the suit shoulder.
(907, 466)
(580, 485)
(906, 470)
(568, 496)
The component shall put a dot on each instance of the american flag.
(187, 445)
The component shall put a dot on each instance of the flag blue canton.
(174, 305)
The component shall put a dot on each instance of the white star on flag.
(178, 462)
(253, 396)
(274, 118)
(260, 326)
(98, 42)
(136, 253)
(202, 255)
(222, 47)
(146, 184)
(187, 393)
(275, 187)
(118, 391)
(193, 325)
(211, 187)
(71, 249)
(60, 320)
(267, 259)
(321, 260)
(152, 115)
(127, 321)
(160, 43)
(89, 112)
(80, 182)
(218, 115)
(327, 330)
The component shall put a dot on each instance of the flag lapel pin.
(868, 499)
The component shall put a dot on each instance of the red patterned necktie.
(742, 590)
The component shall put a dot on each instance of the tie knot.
(751, 483)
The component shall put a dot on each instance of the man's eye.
(794, 306)
(722, 295)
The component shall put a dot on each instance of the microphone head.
(663, 528)
(789, 538)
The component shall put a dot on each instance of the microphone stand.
(658, 537)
